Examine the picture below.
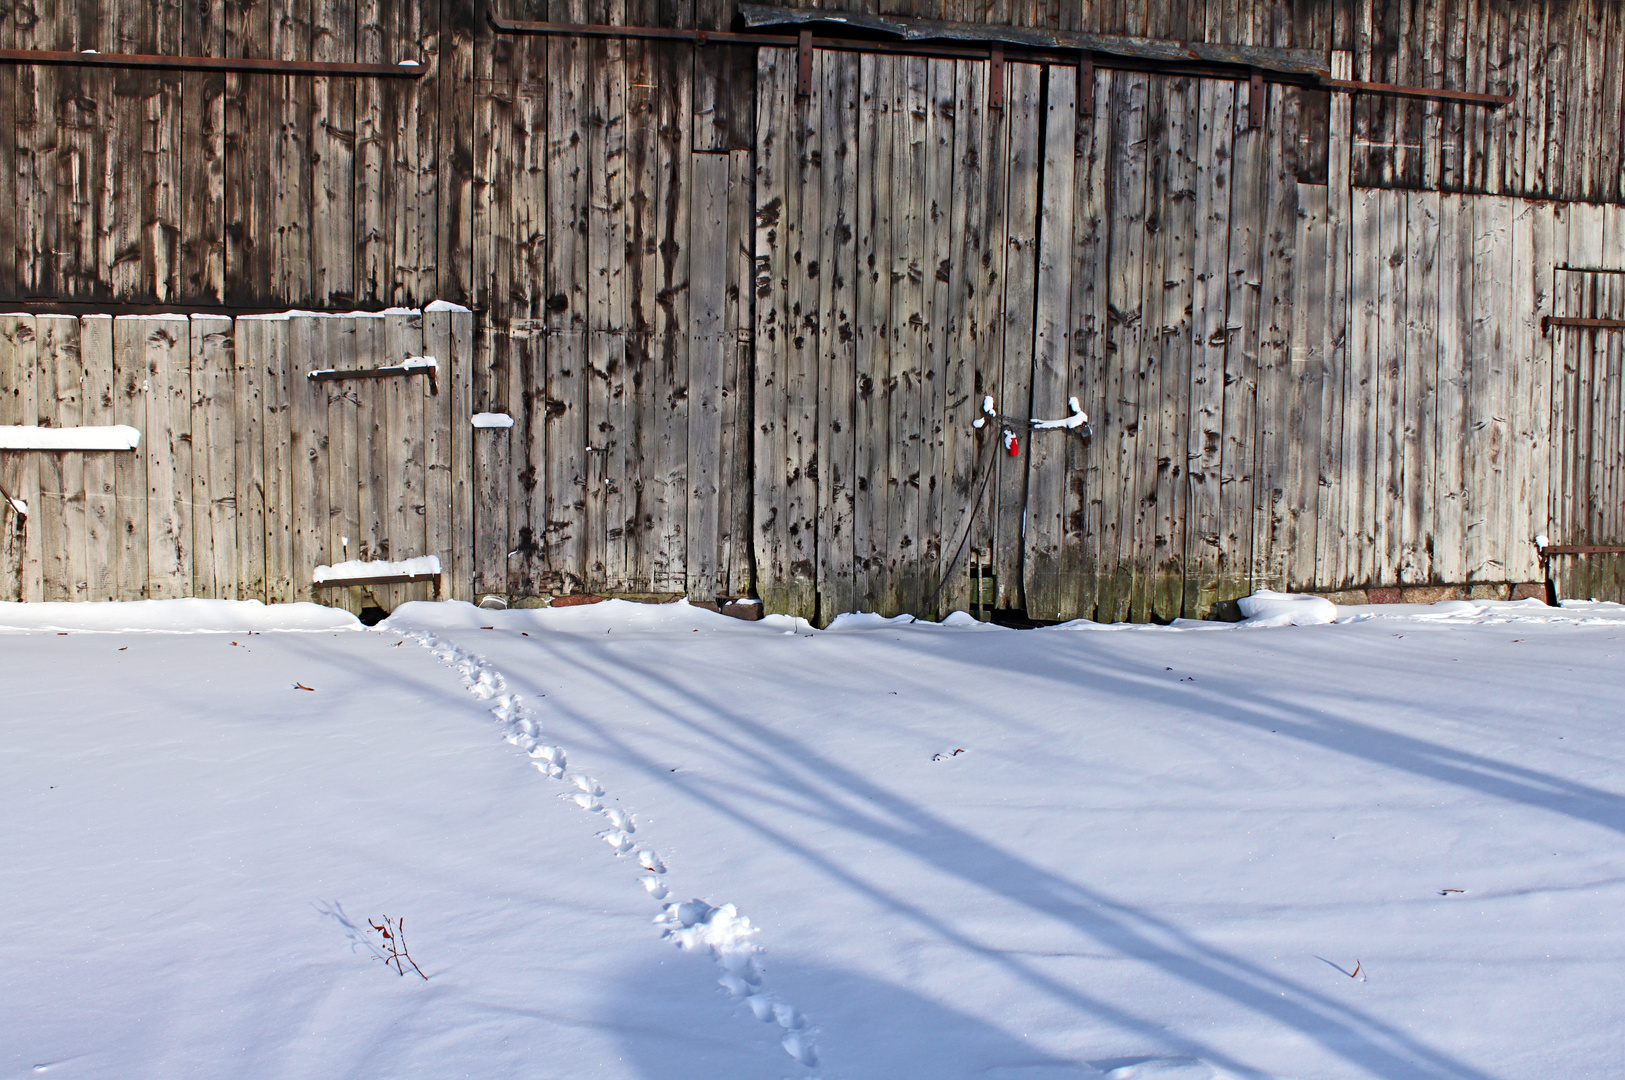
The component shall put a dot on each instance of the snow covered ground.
(652, 842)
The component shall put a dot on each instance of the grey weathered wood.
(839, 276)
(773, 173)
(1332, 536)
(213, 446)
(709, 346)
(60, 514)
(249, 456)
(1422, 365)
(873, 360)
(96, 395)
(308, 506)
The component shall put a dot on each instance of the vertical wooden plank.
(873, 354)
(1524, 518)
(450, 334)
(1284, 353)
(1331, 566)
(21, 574)
(1454, 266)
(709, 345)
(1544, 375)
(906, 590)
(963, 386)
(1085, 481)
(214, 446)
(408, 419)
(307, 506)
(739, 408)
(773, 173)
(614, 470)
(442, 421)
(674, 65)
(202, 153)
(838, 275)
(1396, 408)
(567, 435)
(1015, 364)
(335, 343)
(281, 511)
(249, 378)
(936, 269)
(800, 230)
(1215, 336)
(58, 513)
(372, 440)
(1237, 562)
(96, 394)
(1044, 577)
(1421, 345)
(1178, 128)
(1487, 416)
(1123, 413)
(164, 344)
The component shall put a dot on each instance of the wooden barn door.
(897, 207)
(1588, 500)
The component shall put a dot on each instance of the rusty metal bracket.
(1461, 97)
(1255, 99)
(804, 49)
(382, 579)
(1549, 321)
(247, 65)
(995, 77)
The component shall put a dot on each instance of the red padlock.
(1012, 445)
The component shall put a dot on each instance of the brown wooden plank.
(870, 531)
(1331, 565)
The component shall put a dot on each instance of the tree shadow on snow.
(793, 777)
(862, 1028)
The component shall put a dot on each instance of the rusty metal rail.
(247, 65)
(1007, 44)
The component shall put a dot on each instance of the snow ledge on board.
(492, 420)
(89, 437)
(173, 616)
(359, 569)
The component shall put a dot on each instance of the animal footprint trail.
(692, 925)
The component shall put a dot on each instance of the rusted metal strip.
(385, 579)
(394, 371)
(804, 49)
(1466, 97)
(995, 77)
(1255, 99)
(1549, 321)
(1290, 61)
(1582, 549)
(1038, 47)
(209, 63)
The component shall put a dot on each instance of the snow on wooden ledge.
(377, 571)
(492, 420)
(112, 437)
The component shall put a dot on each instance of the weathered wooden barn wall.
(1296, 384)
(248, 474)
(689, 419)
